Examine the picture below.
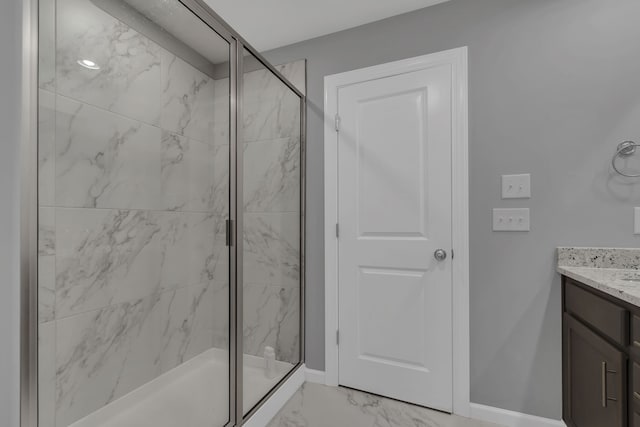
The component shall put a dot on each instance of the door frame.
(457, 60)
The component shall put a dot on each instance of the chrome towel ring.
(625, 149)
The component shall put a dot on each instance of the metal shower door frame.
(29, 212)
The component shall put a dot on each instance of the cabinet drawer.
(597, 312)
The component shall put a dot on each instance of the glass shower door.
(271, 183)
(134, 149)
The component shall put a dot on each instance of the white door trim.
(457, 59)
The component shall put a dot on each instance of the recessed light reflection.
(87, 63)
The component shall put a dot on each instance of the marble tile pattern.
(195, 394)
(104, 257)
(133, 196)
(271, 248)
(271, 109)
(103, 354)
(186, 174)
(622, 258)
(46, 147)
(134, 278)
(272, 318)
(46, 374)
(46, 231)
(296, 73)
(188, 99)
(315, 405)
(46, 288)
(129, 79)
(273, 182)
(47, 44)
(104, 160)
(222, 92)
(106, 353)
(271, 213)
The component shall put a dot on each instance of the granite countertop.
(613, 271)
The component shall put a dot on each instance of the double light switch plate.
(516, 186)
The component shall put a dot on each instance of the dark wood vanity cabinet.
(594, 378)
(600, 362)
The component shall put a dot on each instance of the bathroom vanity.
(601, 336)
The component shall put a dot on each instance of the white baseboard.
(314, 376)
(510, 418)
(272, 406)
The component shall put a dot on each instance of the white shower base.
(195, 394)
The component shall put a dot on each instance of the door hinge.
(337, 337)
(337, 231)
(453, 254)
(228, 232)
(337, 122)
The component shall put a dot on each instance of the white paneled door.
(394, 246)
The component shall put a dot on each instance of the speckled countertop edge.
(620, 258)
(610, 270)
(608, 280)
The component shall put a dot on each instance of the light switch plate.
(516, 186)
(511, 220)
(636, 221)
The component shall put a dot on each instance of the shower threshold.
(194, 394)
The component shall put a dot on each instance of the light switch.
(516, 186)
(511, 220)
(636, 222)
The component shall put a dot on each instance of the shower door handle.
(228, 230)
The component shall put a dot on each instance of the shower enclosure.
(168, 268)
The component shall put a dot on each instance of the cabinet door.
(594, 378)
(634, 415)
(634, 385)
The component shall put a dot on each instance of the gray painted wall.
(10, 52)
(554, 86)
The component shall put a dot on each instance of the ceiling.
(268, 24)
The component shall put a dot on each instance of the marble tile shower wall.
(133, 196)
(272, 212)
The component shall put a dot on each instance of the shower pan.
(165, 272)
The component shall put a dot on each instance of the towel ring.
(625, 149)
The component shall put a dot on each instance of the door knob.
(440, 254)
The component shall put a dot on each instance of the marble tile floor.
(195, 394)
(316, 405)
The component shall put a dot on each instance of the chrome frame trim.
(222, 25)
(232, 278)
(238, 236)
(273, 390)
(29, 214)
(275, 71)
(203, 11)
(29, 219)
(303, 219)
(302, 242)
